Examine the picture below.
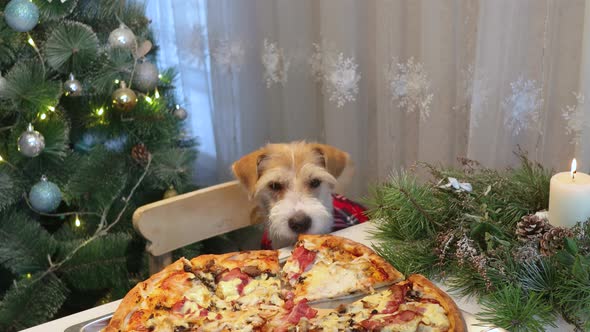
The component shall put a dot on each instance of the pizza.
(250, 291)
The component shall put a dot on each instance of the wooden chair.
(178, 221)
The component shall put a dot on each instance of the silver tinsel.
(122, 37)
(45, 196)
(31, 143)
(73, 87)
(180, 113)
(146, 76)
(21, 15)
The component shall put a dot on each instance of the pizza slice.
(411, 305)
(324, 267)
(161, 303)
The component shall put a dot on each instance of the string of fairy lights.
(45, 196)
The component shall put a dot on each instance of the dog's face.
(292, 185)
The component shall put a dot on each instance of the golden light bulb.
(1, 159)
(100, 111)
(149, 99)
(78, 223)
(43, 116)
(51, 108)
(157, 94)
(29, 276)
(117, 81)
(31, 42)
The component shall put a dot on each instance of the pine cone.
(552, 240)
(140, 153)
(527, 253)
(531, 228)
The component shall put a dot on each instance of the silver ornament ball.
(73, 87)
(180, 113)
(122, 37)
(21, 15)
(45, 196)
(146, 76)
(31, 143)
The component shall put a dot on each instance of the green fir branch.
(9, 45)
(101, 264)
(71, 47)
(24, 244)
(517, 311)
(406, 209)
(409, 258)
(29, 303)
(51, 11)
(30, 89)
(172, 166)
(11, 186)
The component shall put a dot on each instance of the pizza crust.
(456, 322)
(136, 295)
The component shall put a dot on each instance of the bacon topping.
(289, 303)
(176, 279)
(400, 318)
(236, 273)
(300, 310)
(397, 297)
(177, 307)
(304, 257)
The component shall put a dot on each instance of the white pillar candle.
(569, 198)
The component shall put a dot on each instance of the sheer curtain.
(390, 81)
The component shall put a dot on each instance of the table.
(360, 233)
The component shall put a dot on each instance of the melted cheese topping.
(262, 290)
(434, 315)
(332, 280)
(228, 290)
(199, 294)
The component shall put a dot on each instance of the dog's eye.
(275, 186)
(315, 183)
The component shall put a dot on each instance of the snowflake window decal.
(522, 108)
(575, 119)
(198, 43)
(228, 55)
(409, 85)
(276, 64)
(338, 74)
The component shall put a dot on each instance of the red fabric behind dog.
(346, 213)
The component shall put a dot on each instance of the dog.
(293, 186)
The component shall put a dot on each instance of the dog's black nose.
(299, 222)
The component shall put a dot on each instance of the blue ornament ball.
(45, 196)
(21, 15)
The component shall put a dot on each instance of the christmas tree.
(89, 131)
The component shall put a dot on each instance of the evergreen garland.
(467, 236)
(51, 266)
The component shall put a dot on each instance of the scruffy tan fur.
(292, 185)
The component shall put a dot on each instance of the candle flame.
(574, 166)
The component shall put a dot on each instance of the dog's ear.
(334, 159)
(246, 169)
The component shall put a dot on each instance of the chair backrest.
(178, 221)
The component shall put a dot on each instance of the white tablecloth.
(359, 233)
